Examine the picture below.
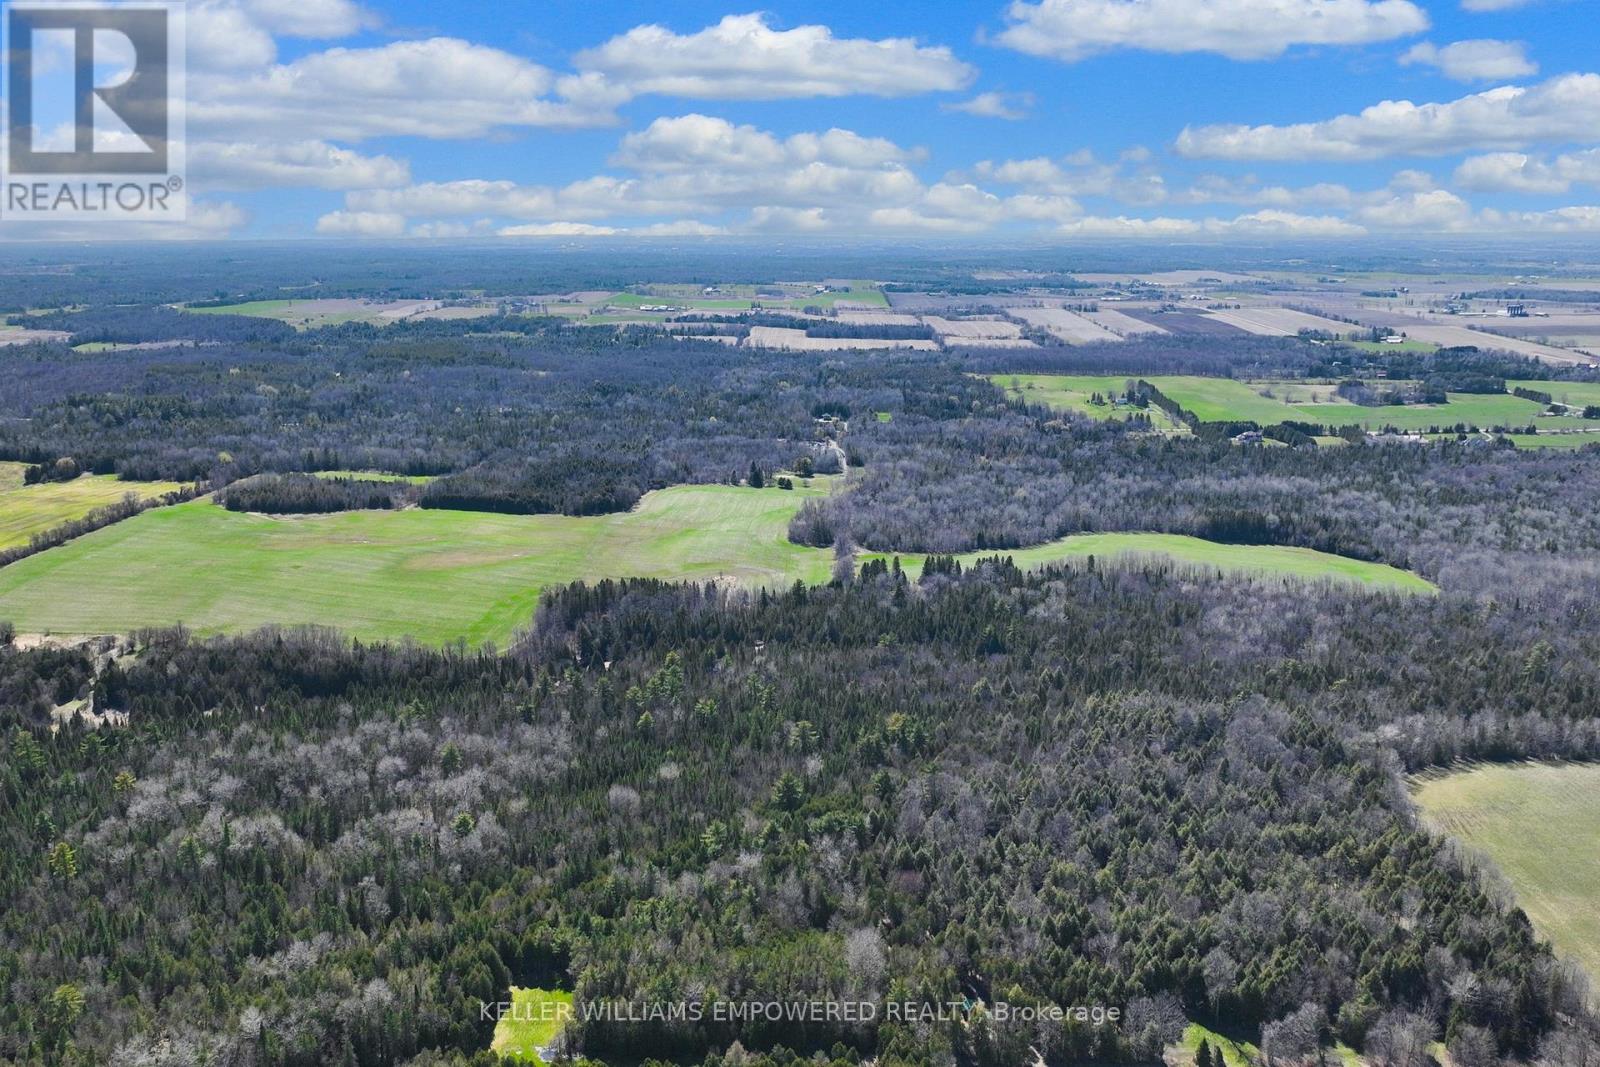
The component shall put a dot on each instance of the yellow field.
(26, 510)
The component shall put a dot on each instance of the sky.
(1034, 119)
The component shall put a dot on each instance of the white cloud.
(362, 224)
(1433, 209)
(310, 18)
(233, 36)
(743, 58)
(1071, 30)
(1081, 174)
(1009, 106)
(315, 164)
(1515, 172)
(1560, 110)
(440, 87)
(1560, 220)
(1215, 189)
(559, 229)
(694, 142)
(1467, 61)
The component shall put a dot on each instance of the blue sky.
(1048, 119)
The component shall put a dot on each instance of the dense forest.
(1099, 786)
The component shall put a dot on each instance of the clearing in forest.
(26, 510)
(439, 576)
(431, 574)
(1267, 561)
(1540, 825)
(535, 1019)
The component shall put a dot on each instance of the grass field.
(434, 575)
(1074, 392)
(537, 1016)
(1482, 411)
(1225, 400)
(1234, 1053)
(443, 575)
(1266, 560)
(267, 309)
(1560, 441)
(33, 509)
(1228, 400)
(378, 476)
(1540, 824)
(1577, 394)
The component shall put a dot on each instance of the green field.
(442, 575)
(1234, 1053)
(1561, 441)
(537, 1016)
(1540, 824)
(378, 476)
(266, 309)
(1074, 393)
(1481, 410)
(1228, 400)
(1302, 564)
(434, 575)
(1576, 394)
(33, 509)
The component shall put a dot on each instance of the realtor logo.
(94, 111)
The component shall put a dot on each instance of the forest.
(1113, 786)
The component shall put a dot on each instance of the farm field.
(1225, 400)
(536, 1017)
(1540, 824)
(1482, 411)
(1262, 560)
(1461, 336)
(443, 575)
(1074, 393)
(1229, 400)
(1576, 394)
(1069, 326)
(1560, 441)
(1280, 322)
(308, 314)
(26, 510)
(435, 575)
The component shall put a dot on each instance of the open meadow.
(1264, 561)
(439, 575)
(1540, 825)
(1269, 403)
(431, 574)
(26, 510)
(535, 1019)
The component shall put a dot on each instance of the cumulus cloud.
(1562, 109)
(313, 164)
(1467, 61)
(362, 224)
(1129, 179)
(695, 166)
(1071, 30)
(558, 229)
(1009, 106)
(744, 58)
(1516, 172)
(439, 88)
